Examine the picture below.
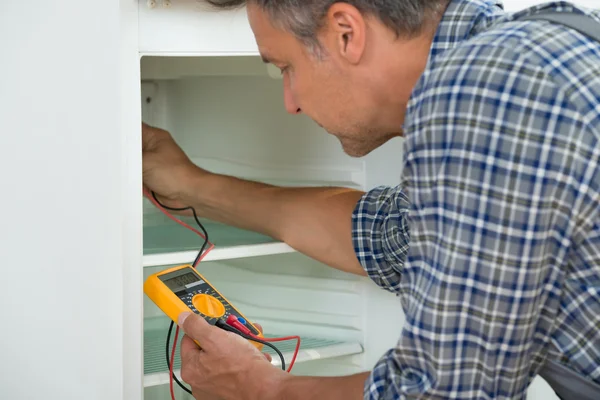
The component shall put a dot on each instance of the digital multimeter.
(182, 288)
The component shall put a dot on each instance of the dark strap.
(567, 384)
(580, 22)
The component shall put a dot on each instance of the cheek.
(306, 89)
(311, 92)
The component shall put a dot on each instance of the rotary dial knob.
(208, 305)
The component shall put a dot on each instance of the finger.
(267, 355)
(200, 395)
(146, 192)
(190, 354)
(147, 137)
(188, 346)
(195, 327)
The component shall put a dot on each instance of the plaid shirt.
(500, 201)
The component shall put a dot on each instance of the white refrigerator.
(78, 238)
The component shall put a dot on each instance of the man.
(500, 194)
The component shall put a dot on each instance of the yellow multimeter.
(182, 288)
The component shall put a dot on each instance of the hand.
(166, 169)
(200, 395)
(227, 366)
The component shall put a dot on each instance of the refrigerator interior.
(227, 114)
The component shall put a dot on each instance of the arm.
(314, 221)
(331, 388)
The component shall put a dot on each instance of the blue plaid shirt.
(500, 202)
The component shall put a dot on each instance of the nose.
(288, 98)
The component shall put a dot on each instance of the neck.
(405, 63)
(405, 60)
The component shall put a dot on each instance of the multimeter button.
(242, 320)
(208, 305)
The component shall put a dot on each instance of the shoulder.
(538, 41)
(521, 78)
(512, 93)
(517, 64)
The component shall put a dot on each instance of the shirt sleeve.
(380, 235)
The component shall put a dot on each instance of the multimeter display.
(178, 283)
(182, 288)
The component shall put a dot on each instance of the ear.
(348, 27)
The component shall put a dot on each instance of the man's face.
(338, 92)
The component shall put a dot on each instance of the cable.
(163, 208)
(271, 346)
(234, 322)
(199, 257)
(172, 361)
(172, 374)
(281, 339)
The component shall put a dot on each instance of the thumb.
(195, 327)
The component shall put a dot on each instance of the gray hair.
(304, 18)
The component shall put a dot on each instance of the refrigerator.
(79, 238)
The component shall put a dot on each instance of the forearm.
(315, 221)
(331, 388)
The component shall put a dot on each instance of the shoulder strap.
(580, 22)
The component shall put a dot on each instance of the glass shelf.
(167, 242)
(311, 348)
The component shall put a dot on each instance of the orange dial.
(208, 305)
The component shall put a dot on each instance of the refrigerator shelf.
(167, 243)
(224, 253)
(311, 348)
